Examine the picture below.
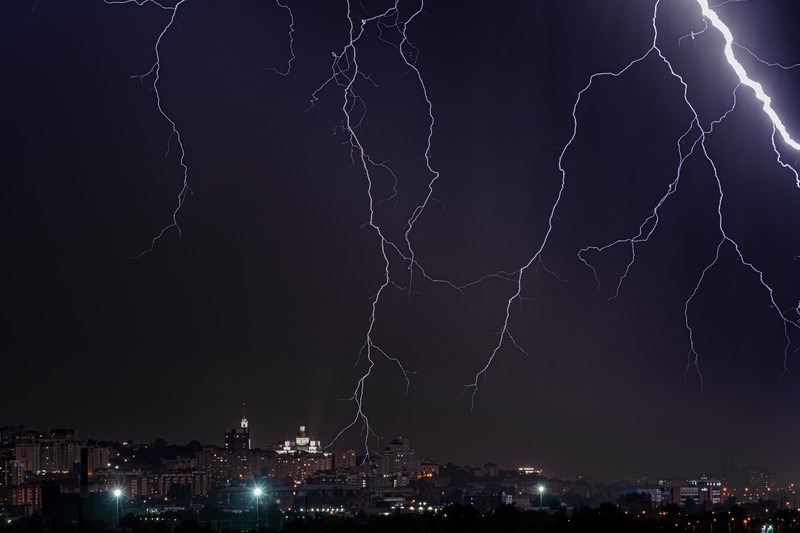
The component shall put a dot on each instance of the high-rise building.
(29, 455)
(16, 472)
(238, 439)
(98, 458)
(54, 451)
(48, 455)
(399, 457)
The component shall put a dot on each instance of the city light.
(117, 492)
(710, 491)
(257, 492)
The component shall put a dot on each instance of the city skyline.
(285, 443)
(529, 136)
(50, 476)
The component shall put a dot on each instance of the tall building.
(48, 455)
(238, 439)
(98, 458)
(28, 454)
(399, 457)
(16, 472)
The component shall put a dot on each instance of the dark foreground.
(461, 519)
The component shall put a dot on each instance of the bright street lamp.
(117, 494)
(541, 492)
(257, 492)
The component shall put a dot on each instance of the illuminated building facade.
(428, 468)
(700, 492)
(302, 457)
(301, 466)
(301, 443)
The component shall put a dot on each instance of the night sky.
(266, 297)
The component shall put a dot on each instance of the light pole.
(257, 492)
(541, 492)
(117, 494)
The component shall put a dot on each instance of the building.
(140, 483)
(27, 494)
(197, 483)
(58, 455)
(429, 468)
(344, 459)
(301, 466)
(302, 457)
(55, 451)
(16, 473)
(301, 443)
(98, 458)
(702, 491)
(133, 483)
(399, 457)
(28, 454)
(489, 470)
(215, 461)
(237, 440)
(757, 482)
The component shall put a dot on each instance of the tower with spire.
(238, 439)
(244, 416)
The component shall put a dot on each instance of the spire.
(244, 416)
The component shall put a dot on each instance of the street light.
(257, 492)
(117, 494)
(541, 492)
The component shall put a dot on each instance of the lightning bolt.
(698, 146)
(744, 79)
(155, 72)
(695, 137)
(345, 73)
(291, 40)
(347, 76)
